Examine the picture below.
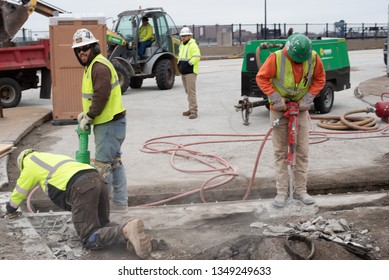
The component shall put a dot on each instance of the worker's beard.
(84, 62)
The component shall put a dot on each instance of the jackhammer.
(83, 155)
(292, 113)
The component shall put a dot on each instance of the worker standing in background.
(103, 108)
(295, 73)
(79, 188)
(188, 64)
(145, 36)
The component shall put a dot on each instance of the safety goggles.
(83, 48)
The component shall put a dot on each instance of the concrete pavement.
(19, 121)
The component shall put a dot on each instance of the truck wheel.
(325, 99)
(136, 82)
(165, 74)
(385, 59)
(10, 92)
(123, 75)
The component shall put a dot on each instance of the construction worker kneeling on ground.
(295, 73)
(79, 188)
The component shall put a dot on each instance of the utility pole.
(265, 22)
(387, 44)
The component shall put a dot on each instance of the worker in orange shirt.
(294, 73)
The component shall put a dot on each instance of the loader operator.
(103, 108)
(294, 73)
(79, 188)
(145, 36)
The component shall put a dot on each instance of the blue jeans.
(109, 138)
(142, 47)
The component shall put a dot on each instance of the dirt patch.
(235, 236)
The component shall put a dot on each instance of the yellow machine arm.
(41, 7)
(13, 16)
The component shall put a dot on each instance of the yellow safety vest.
(114, 104)
(47, 170)
(284, 82)
(190, 52)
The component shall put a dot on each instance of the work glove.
(278, 101)
(85, 122)
(80, 116)
(11, 212)
(306, 102)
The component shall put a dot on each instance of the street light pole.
(265, 22)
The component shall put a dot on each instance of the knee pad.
(117, 162)
(103, 168)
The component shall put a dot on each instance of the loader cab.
(164, 30)
(159, 60)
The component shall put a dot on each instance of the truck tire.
(10, 92)
(136, 82)
(165, 74)
(325, 99)
(123, 75)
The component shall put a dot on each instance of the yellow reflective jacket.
(51, 171)
(114, 104)
(145, 33)
(284, 82)
(190, 52)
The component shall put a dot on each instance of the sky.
(207, 12)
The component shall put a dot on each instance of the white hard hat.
(21, 157)
(83, 37)
(185, 31)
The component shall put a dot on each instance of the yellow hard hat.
(21, 157)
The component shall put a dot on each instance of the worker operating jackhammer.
(79, 188)
(295, 73)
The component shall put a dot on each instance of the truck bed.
(33, 55)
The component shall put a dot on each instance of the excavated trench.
(353, 182)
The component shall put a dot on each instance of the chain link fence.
(238, 34)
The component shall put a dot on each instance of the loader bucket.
(12, 18)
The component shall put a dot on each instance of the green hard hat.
(298, 47)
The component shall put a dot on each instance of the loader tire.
(123, 75)
(165, 74)
(10, 92)
(324, 101)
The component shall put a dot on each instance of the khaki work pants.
(189, 82)
(280, 146)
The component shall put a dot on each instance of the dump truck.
(22, 68)
(332, 51)
(23, 65)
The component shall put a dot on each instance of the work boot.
(193, 116)
(279, 200)
(136, 238)
(304, 198)
(186, 114)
